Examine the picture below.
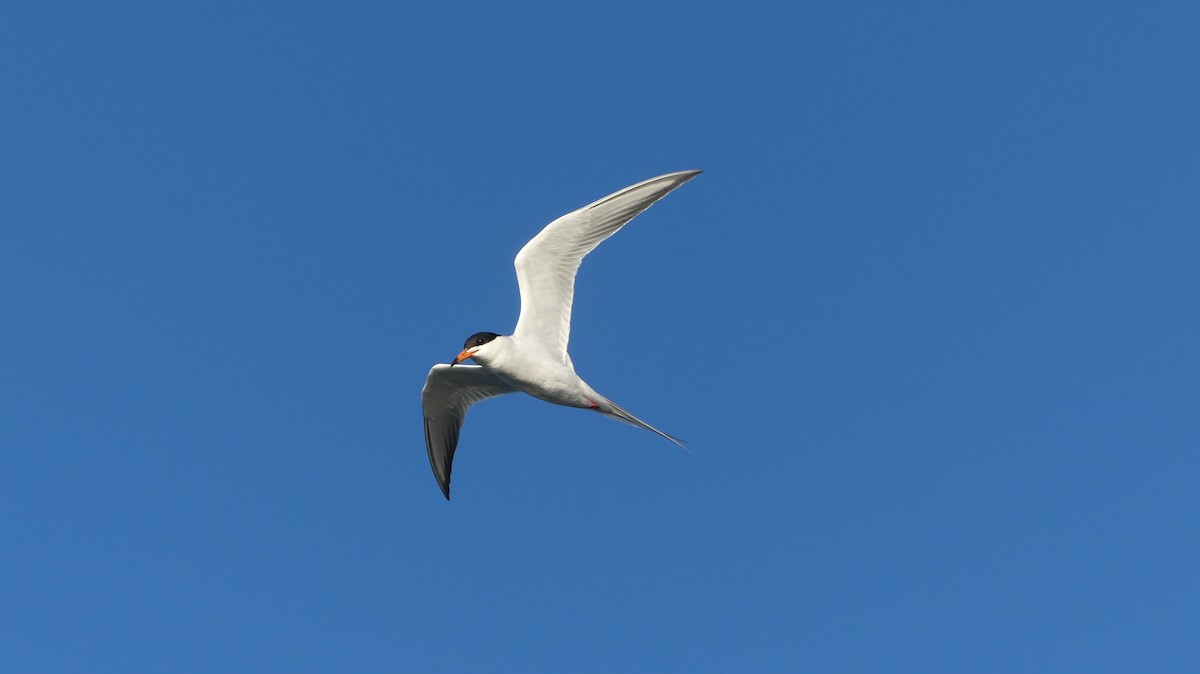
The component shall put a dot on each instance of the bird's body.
(532, 370)
(534, 358)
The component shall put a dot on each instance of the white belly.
(539, 375)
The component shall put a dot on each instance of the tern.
(534, 358)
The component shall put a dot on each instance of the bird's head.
(472, 346)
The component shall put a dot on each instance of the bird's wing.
(546, 266)
(448, 392)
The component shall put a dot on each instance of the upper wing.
(448, 392)
(546, 266)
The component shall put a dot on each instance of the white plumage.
(534, 358)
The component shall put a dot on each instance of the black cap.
(479, 339)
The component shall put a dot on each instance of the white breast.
(535, 372)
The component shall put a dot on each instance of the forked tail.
(610, 409)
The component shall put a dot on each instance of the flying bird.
(534, 358)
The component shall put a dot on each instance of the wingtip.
(678, 177)
(688, 174)
(682, 177)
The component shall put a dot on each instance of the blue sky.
(928, 321)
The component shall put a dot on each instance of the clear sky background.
(929, 321)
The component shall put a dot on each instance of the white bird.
(534, 358)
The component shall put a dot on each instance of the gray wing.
(448, 392)
(546, 266)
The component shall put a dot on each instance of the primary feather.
(547, 265)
